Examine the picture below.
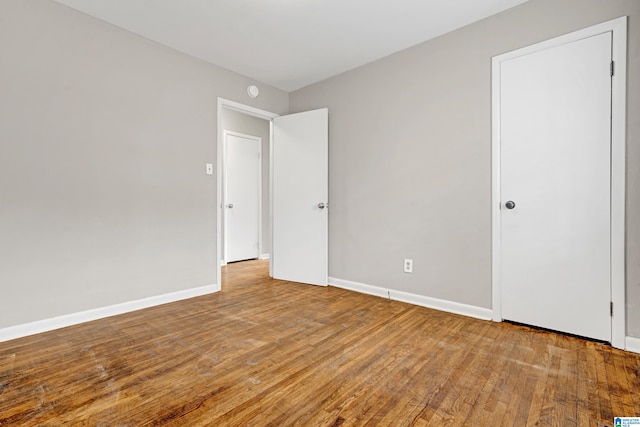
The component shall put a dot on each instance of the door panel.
(242, 207)
(555, 166)
(299, 185)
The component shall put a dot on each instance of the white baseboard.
(359, 287)
(632, 344)
(437, 304)
(265, 256)
(45, 325)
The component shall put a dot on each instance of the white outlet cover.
(209, 169)
(408, 265)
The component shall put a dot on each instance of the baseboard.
(435, 303)
(45, 325)
(632, 344)
(265, 256)
(359, 287)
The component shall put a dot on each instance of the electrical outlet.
(408, 265)
(209, 168)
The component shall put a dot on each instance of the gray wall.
(104, 138)
(244, 123)
(410, 154)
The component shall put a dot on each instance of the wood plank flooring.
(270, 353)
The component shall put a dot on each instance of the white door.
(241, 196)
(555, 127)
(300, 196)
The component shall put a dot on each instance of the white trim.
(434, 303)
(245, 109)
(258, 140)
(359, 287)
(618, 27)
(618, 160)
(496, 246)
(265, 256)
(63, 321)
(632, 344)
(271, 194)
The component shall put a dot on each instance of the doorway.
(244, 122)
(297, 219)
(558, 183)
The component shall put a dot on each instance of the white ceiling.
(290, 44)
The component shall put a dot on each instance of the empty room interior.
(320, 213)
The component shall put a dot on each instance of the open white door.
(300, 192)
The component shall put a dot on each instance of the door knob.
(320, 205)
(230, 206)
(510, 205)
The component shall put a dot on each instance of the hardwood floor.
(270, 353)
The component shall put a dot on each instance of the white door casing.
(242, 196)
(245, 109)
(300, 197)
(558, 256)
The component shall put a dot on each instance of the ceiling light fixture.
(253, 91)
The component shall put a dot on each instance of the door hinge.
(611, 308)
(612, 68)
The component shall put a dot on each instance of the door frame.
(251, 111)
(618, 27)
(257, 140)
